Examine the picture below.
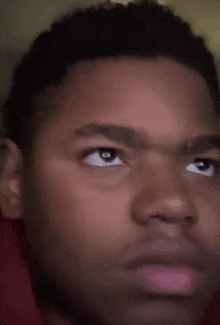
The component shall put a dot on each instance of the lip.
(168, 267)
(169, 280)
(169, 252)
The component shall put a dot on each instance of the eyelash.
(118, 152)
(214, 162)
(121, 154)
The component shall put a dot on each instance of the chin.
(159, 313)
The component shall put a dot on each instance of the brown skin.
(85, 222)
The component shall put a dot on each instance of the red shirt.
(18, 305)
(17, 301)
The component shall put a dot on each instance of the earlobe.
(11, 179)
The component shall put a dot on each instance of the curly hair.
(139, 29)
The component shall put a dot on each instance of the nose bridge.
(164, 194)
(168, 183)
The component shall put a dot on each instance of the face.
(122, 196)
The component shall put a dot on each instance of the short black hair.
(139, 29)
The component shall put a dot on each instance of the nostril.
(161, 217)
(189, 219)
(167, 219)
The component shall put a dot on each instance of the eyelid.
(86, 152)
(119, 152)
(215, 162)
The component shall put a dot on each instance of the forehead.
(130, 70)
(160, 96)
(120, 77)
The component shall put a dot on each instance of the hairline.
(48, 92)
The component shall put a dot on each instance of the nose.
(164, 198)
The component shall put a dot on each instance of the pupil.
(107, 154)
(202, 165)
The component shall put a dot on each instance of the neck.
(51, 317)
(59, 313)
(56, 307)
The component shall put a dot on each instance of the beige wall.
(22, 20)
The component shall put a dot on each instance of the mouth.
(169, 281)
(168, 268)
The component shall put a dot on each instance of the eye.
(205, 167)
(103, 157)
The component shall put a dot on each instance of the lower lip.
(166, 280)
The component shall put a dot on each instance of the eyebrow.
(128, 136)
(202, 144)
(136, 139)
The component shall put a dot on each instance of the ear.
(11, 179)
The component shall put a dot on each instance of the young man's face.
(122, 199)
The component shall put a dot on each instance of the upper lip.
(167, 252)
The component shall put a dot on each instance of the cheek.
(87, 222)
(208, 226)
